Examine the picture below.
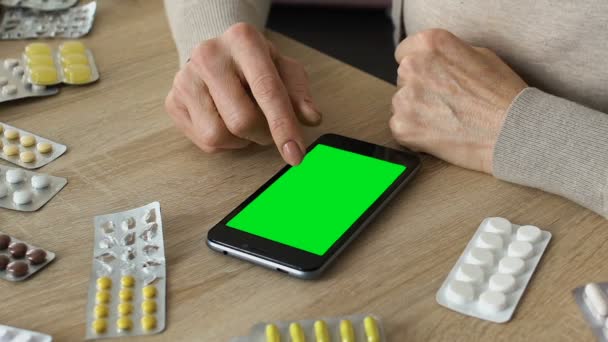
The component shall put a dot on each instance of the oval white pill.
(520, 249)
(498, 225)
(502, 283)
(22, 196)
(489, 240)
(459, 292)
(528, 233)
(3, 191)
(40, 181)
(596, 298)
(480, 256)
(470, 273)
(15, 176)
(9, 89)
(511, 265)
(491, 301)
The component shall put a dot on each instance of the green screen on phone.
(311, 205)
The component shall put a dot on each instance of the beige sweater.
(556, 135)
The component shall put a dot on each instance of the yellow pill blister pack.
(14, 84)
(72, 63)
(127, 290)
(355, 328)
(26, 149)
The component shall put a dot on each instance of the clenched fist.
(237, 89)
(452, 99)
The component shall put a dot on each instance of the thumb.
(298, 87)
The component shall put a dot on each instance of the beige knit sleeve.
(193, 21)
(555, 145)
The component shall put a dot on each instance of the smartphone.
(305, 215)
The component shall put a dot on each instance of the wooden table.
(124, 152)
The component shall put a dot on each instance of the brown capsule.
(17, 249)
(5, 240)
(4, 260)
(36, 256)
(17, 268)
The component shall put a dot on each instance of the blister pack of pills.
(492, 273)
(19, 260)
(41, 5)
(26, 190)
(12, 334)
(592, 299)
(127, 290)
(22, 23)
(26, 149)
(72, 63)
(345, 329)
(14, 85)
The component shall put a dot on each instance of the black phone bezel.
(296, 258)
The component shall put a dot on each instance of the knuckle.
(210, 137)
(266, 87)
(397, 125)
(207, 149)
(240, 125)
(208, 50)
(435, 38)
(278, 124)
(406, 67)
(242, 31)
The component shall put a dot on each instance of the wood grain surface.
(123, 152)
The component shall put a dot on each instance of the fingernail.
(292, 153)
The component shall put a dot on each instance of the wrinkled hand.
(237, 89)
(452, 99)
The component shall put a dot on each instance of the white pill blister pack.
(22, 23)
(26, 190)
(27, 150)
(14, 85)
(492, 273)
(42, 5)
(127, 291)
(592, 299)
(344, 328)
(12, 334)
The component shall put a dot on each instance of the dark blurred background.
(359, 36)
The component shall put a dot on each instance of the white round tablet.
(18, 71)
(498, 225)
(480, 256)
(459, 292)
(40, 181)
(502, 283)
(10, 63)
(489, 240)
(9, 89)
(22, 197)
(470, 273)
(528, 233)
(491, 301)
(511, 265)
(3, 191)
(15, 176)
(520, 249)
